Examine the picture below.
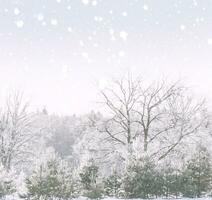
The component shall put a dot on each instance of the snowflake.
(16, 11)
(81, 43)
(54, 22)
(85, 2)
(94, 3)
(123, 35)
(146, 7)
(58, 1)
(210, 41)
(86, 56)
(69, 29)
(121, 53)
(98, 19)
(40, 17)
(182, 27)
(19, 23)
(124, 14)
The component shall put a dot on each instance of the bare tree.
(162, 115)
(16, 130)
(120, 100)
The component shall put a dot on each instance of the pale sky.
(59, 52)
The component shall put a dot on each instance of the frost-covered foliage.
(52, 179)
(112, 185)
(89, 178)
(197, 175)
(141, 180)
(7, 184)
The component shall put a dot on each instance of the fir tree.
(88, 178)
(196, 177)
(112, 185)
(52, 180)
(140, 180)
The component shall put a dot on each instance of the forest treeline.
(153, 140)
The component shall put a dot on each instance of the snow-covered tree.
(7, 182)
(51, 179)
(17, 131)
(197, 175)
(112, 185)
(89, 178)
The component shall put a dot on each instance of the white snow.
(146, 7)
(85, 2)
(124, 14)
(123, 35)
(16, 11)
(210, 41)
(94, 3)
(121, 53)
(40, 17)
(69, 29)
(19, 23)
(182, 27)
(54, 22)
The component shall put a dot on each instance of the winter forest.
(153, 141)
(105, 99)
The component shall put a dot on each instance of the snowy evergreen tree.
(140, 180)
(51, 180)
(89, 181)
(170, 181)
(7, 185)
(196, 178)
(112, 185)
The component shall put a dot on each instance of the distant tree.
(17, 131)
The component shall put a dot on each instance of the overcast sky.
(59, 52)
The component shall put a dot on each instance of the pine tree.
(51, 180)
(88, 178)
(7, 185)
(112, 185)
(140, 180)
(196, 177)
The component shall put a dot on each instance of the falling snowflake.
(146, 7)
(19, 23)
(124, 14)
(69, 29)
(94, 3)
(210, 41)
(98, 19)
(182, 27)
(16, 11)
(123, 35)
(40, 17)
(121, 53)
(85, 2)
(54, 22)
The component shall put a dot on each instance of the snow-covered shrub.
(170, 181)
(52, 179)
(197, 175)
(112, 185)
(141, 179)
(89, 181)
(7, 185)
